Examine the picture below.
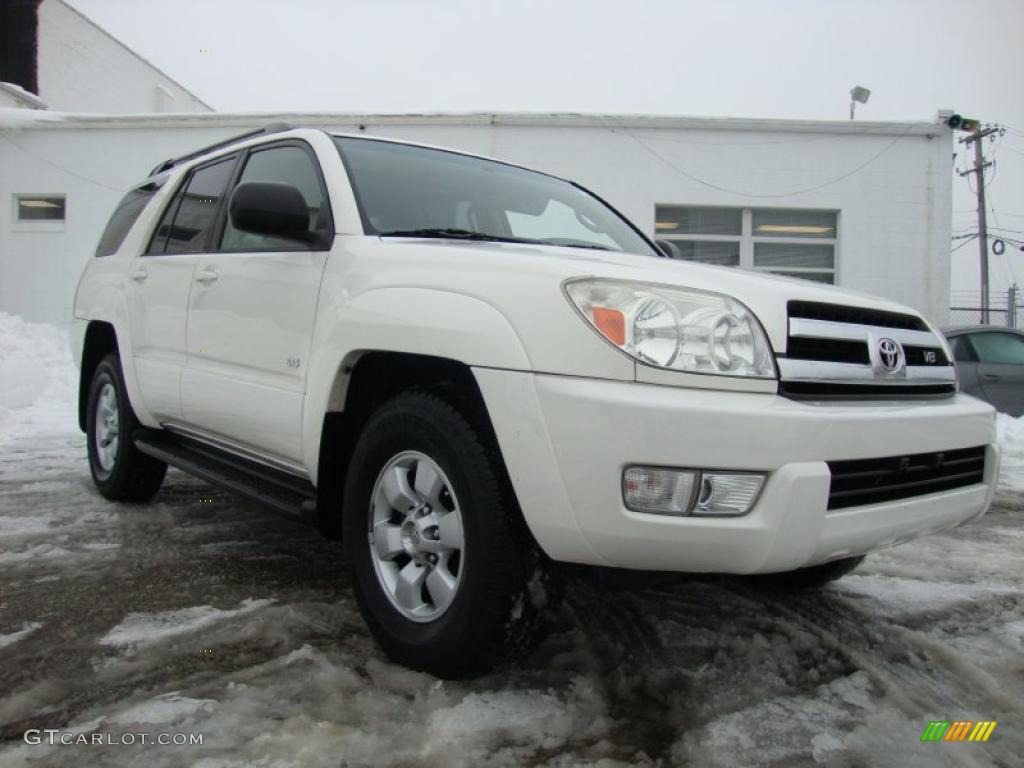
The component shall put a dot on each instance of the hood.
(766, 295)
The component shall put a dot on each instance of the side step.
(257, 482)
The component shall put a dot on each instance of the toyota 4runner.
(469, 371)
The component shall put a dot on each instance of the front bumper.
(566, 441)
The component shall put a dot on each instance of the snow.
(18, 117)
(1011, 441)
(168, 708)
(38, 380)
(143, 629)
(223, 619)
(26, 629)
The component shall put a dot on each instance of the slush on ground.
(203, 614)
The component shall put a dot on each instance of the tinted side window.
(961, 349)
(189, 218)
(288, 165)
(124, 216)
(999, 348)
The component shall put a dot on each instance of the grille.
(812, 390)
(831, 353)
(873, 481)
(834, 350)
(835, 313)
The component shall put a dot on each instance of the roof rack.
(166, 165)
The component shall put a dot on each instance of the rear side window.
(123, 218)
(186, 224)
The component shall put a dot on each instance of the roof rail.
(166, 165)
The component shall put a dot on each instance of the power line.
(60, 168)
(965, 242)
(710, 185)
(624, 131)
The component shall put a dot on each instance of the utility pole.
(980, 164)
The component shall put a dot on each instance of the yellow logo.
(958, 730)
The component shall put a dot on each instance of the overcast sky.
(760, 58)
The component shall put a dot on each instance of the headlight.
(680, 329)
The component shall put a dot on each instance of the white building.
(864, 205)
(54, 57)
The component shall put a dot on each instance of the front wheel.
(120, 471)
(443, 569)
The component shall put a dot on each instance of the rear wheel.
(119, 470)
(443, 569)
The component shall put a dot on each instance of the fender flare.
(421, 321)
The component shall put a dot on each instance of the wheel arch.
(100, 341)
(365, 380)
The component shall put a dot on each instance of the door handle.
(207, 276)
(139, 275)
(991, 376)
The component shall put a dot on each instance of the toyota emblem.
(890, 355)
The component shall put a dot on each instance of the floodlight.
(858, 94)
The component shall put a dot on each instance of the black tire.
(504, 594)
(132, 476)
(812, 577)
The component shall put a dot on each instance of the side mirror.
(668, 249)
(271, 208)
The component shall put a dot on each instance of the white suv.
(470, 370)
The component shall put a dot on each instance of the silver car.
(990, 363)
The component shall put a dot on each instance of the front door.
(160, 282)
(251, 315)
(1001, 369)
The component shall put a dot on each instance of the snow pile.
(1011, 440)
(37, 368)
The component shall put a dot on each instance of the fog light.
(727, 493)
(658, 491)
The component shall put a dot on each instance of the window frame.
(747, 239)
(965, 340)
(178, 196)
(220, 222)
(37, 225)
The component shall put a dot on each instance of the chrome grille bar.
(825, 329)
(827, 372)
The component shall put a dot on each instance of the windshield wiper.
(454, 234)
(567, 243)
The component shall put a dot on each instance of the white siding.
(894, 212)
(81, 68)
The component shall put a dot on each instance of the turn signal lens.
(658, 491)
(611, 323)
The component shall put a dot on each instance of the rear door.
(251, 316)
(1001, 369)
(160, 281)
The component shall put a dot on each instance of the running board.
(257, 482)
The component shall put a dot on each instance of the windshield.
(419, 192)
